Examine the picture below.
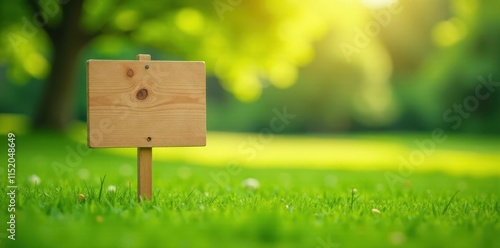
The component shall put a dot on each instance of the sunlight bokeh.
(343, 68)
(377, 4)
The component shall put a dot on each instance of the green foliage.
(406, 75)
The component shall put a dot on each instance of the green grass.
(297, 207)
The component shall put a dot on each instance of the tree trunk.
(56, 109)
(57, 106)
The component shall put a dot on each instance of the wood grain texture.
(143, 103)
(144, 173)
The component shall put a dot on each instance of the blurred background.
(377, 95)
(341, 66)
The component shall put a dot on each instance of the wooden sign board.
(144, 103)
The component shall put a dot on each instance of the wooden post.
(144, 173)
(144, 161)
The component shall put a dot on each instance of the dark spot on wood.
(142, 94)
(148, 139)
(130, 73)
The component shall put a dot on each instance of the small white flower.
(111, 188)
(81, 196)
(250, 183)
(354, 191)
(34, 179)
(375, 211)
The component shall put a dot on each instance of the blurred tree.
(262, 42)
(460, 81)
(67, 39)
(359, 64)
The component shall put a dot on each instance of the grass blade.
(102, 185)
(447, 205)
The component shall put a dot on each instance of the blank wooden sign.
(144, 103)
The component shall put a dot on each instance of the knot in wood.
(142, 94)
(130, 73)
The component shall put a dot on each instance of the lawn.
(305, 198)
